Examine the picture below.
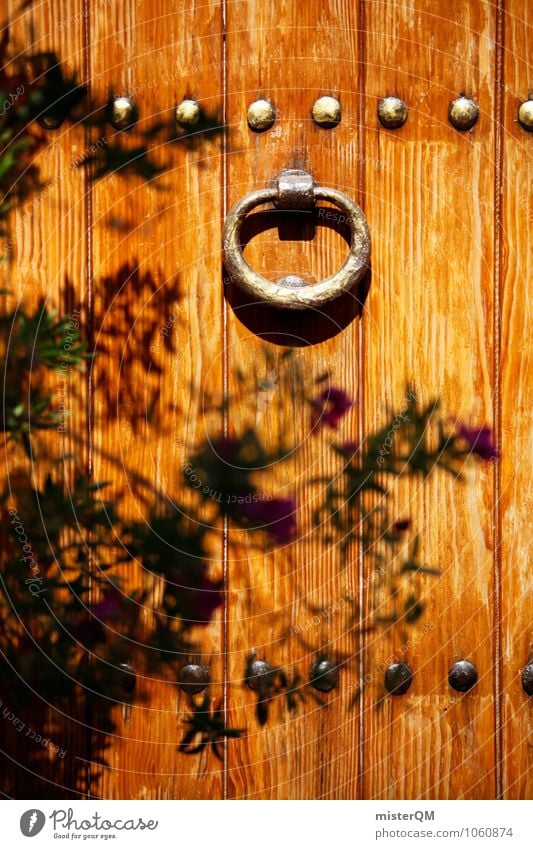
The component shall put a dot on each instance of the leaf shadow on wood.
(46, 747)
(56, 747)
(88, 745)
(132, 307)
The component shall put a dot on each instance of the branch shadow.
(132, 306)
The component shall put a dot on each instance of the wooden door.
(190, 373)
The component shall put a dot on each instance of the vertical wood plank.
(516, 495)
(292, 53)
(157, 330)
(155, 271)
(429, 201)
(45, 260)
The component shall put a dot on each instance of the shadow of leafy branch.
(38, 94)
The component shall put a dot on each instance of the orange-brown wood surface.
(516, 404)
(447, 311)
(291, 55)
(46, 260)
(154, 263)
(429, 321)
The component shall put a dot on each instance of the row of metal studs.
(194, 678)
(392, 113)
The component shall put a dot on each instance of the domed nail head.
(257, 671)
(193, 678)
(261, 115)
(50, 122)
(123, 113)
(324, 675)
(527, 678)
(398, 679)
(463, 113)
(525, 115)
(462, 676)
(326, 112)
(188, 113)
(392, 112)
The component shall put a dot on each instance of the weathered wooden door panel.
(183, 355)
(158, 330)
(45, 261)
(290, 52)
(513, 290)
(429, 192)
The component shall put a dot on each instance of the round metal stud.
(257, 670)
(392, 112)
(122, 113)
(188, 113)
(261, 115)
(324, 675)
(127, 678)
(463, 113)
(527, 678)
(193, 678)
(50, 122)
(326, 112)
(398, 679)
(525, 115)
(462, 676)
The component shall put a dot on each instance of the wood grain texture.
(429, 319)
(516, 495)
(292, 53)
(158, 333)
(448, 310)
(46, 260)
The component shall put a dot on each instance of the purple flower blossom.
(109, 606)
(480, 441)
(277, 517)
(92, 630)
(330, 406)
(200, 602)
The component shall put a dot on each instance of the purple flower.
(198, 603)
(277, 517)
(330, 406)
(109, 606)
(480, 441)
(92, 630)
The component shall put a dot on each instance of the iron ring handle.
(296, 294)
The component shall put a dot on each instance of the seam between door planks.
(225, 384)
(90, 338)
(361, 418)
(498, 172)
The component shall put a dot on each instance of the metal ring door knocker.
(296, 189)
